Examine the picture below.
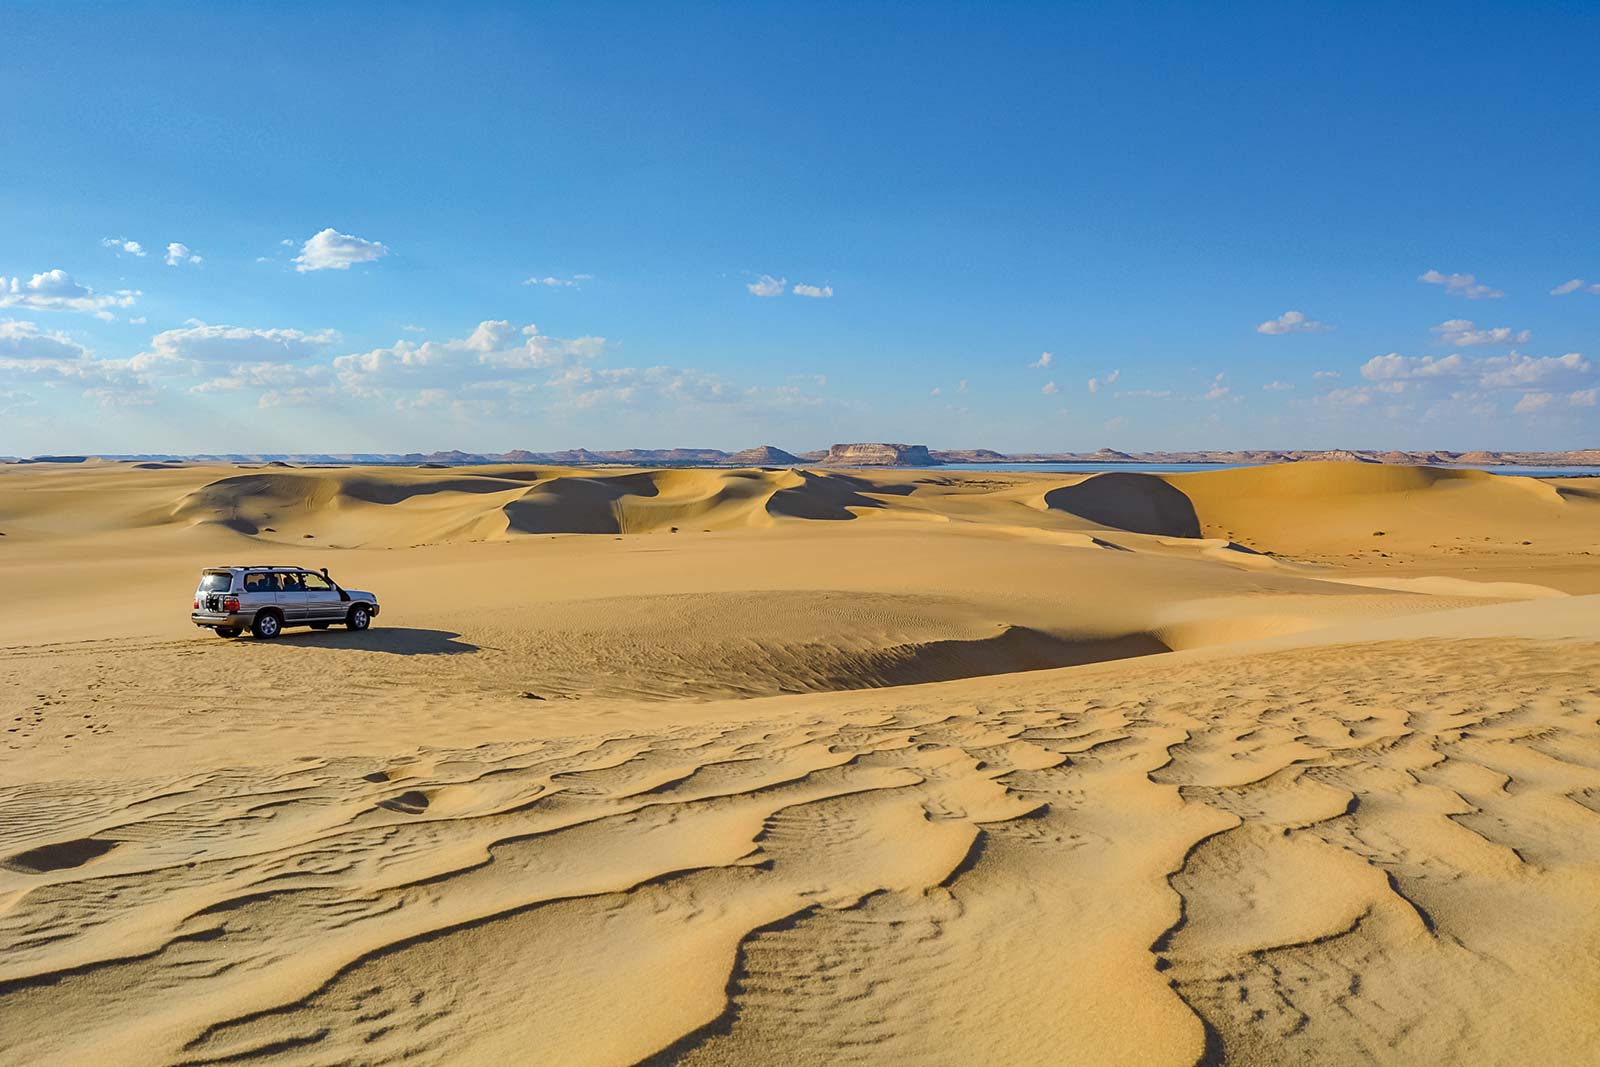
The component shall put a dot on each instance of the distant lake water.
(1183, 468)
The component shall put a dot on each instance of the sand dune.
(1281, 765)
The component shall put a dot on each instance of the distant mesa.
(1344, 455)
(763, 456)
(879, 454)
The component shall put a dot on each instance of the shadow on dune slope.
(393, 640)
(1138, 503)
(363, 508)
(1017, 648)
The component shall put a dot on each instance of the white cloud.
(122, 244)
(935, 391)
(331, 250)
(1044, 360)
(412, 328)
(1350, 396)
(137, 320)
(1292, 322)
(1110, 379)
(1397, 366)
(495, 350)
(1325, 375)
(1567, 287)
(54, 290)
(1146, 394)
(1277, 387)
(1050, 389)
(1462, 332)
(1534, 402)
(1513, 371)
(552, 282)
(816, 292)
(1531, 402)
(28, 353)
(961, 386)
(269, 375)
(1465, 285)
(1217, 390)
(202, 343)
(767, 285)
(178, 254)
(25, 341)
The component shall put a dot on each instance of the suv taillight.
(197, 602)
(230, 603)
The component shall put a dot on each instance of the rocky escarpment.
(763, 456)
(878, 454)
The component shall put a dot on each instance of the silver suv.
(265, 599)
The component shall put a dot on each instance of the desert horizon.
(861, 454)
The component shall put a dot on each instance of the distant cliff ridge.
(763, 456)
(859, 454)
(879, 454)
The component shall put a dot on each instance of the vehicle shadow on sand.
(395, 640)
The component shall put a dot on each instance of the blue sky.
(400, 227)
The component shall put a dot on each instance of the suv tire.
(268, 624)
(227, 631)
(360, 617)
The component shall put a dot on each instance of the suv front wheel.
(268, 625)
(360, 618)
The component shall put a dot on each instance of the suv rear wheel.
(268, 624)
(360, 618)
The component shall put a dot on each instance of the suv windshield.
(216, 583)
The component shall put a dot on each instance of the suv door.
(291, 596)
(323, 602)
(260, 590)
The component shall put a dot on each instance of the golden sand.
(1287, 764)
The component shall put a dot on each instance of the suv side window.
(315, 583)
(289, 582)
(258, 583)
